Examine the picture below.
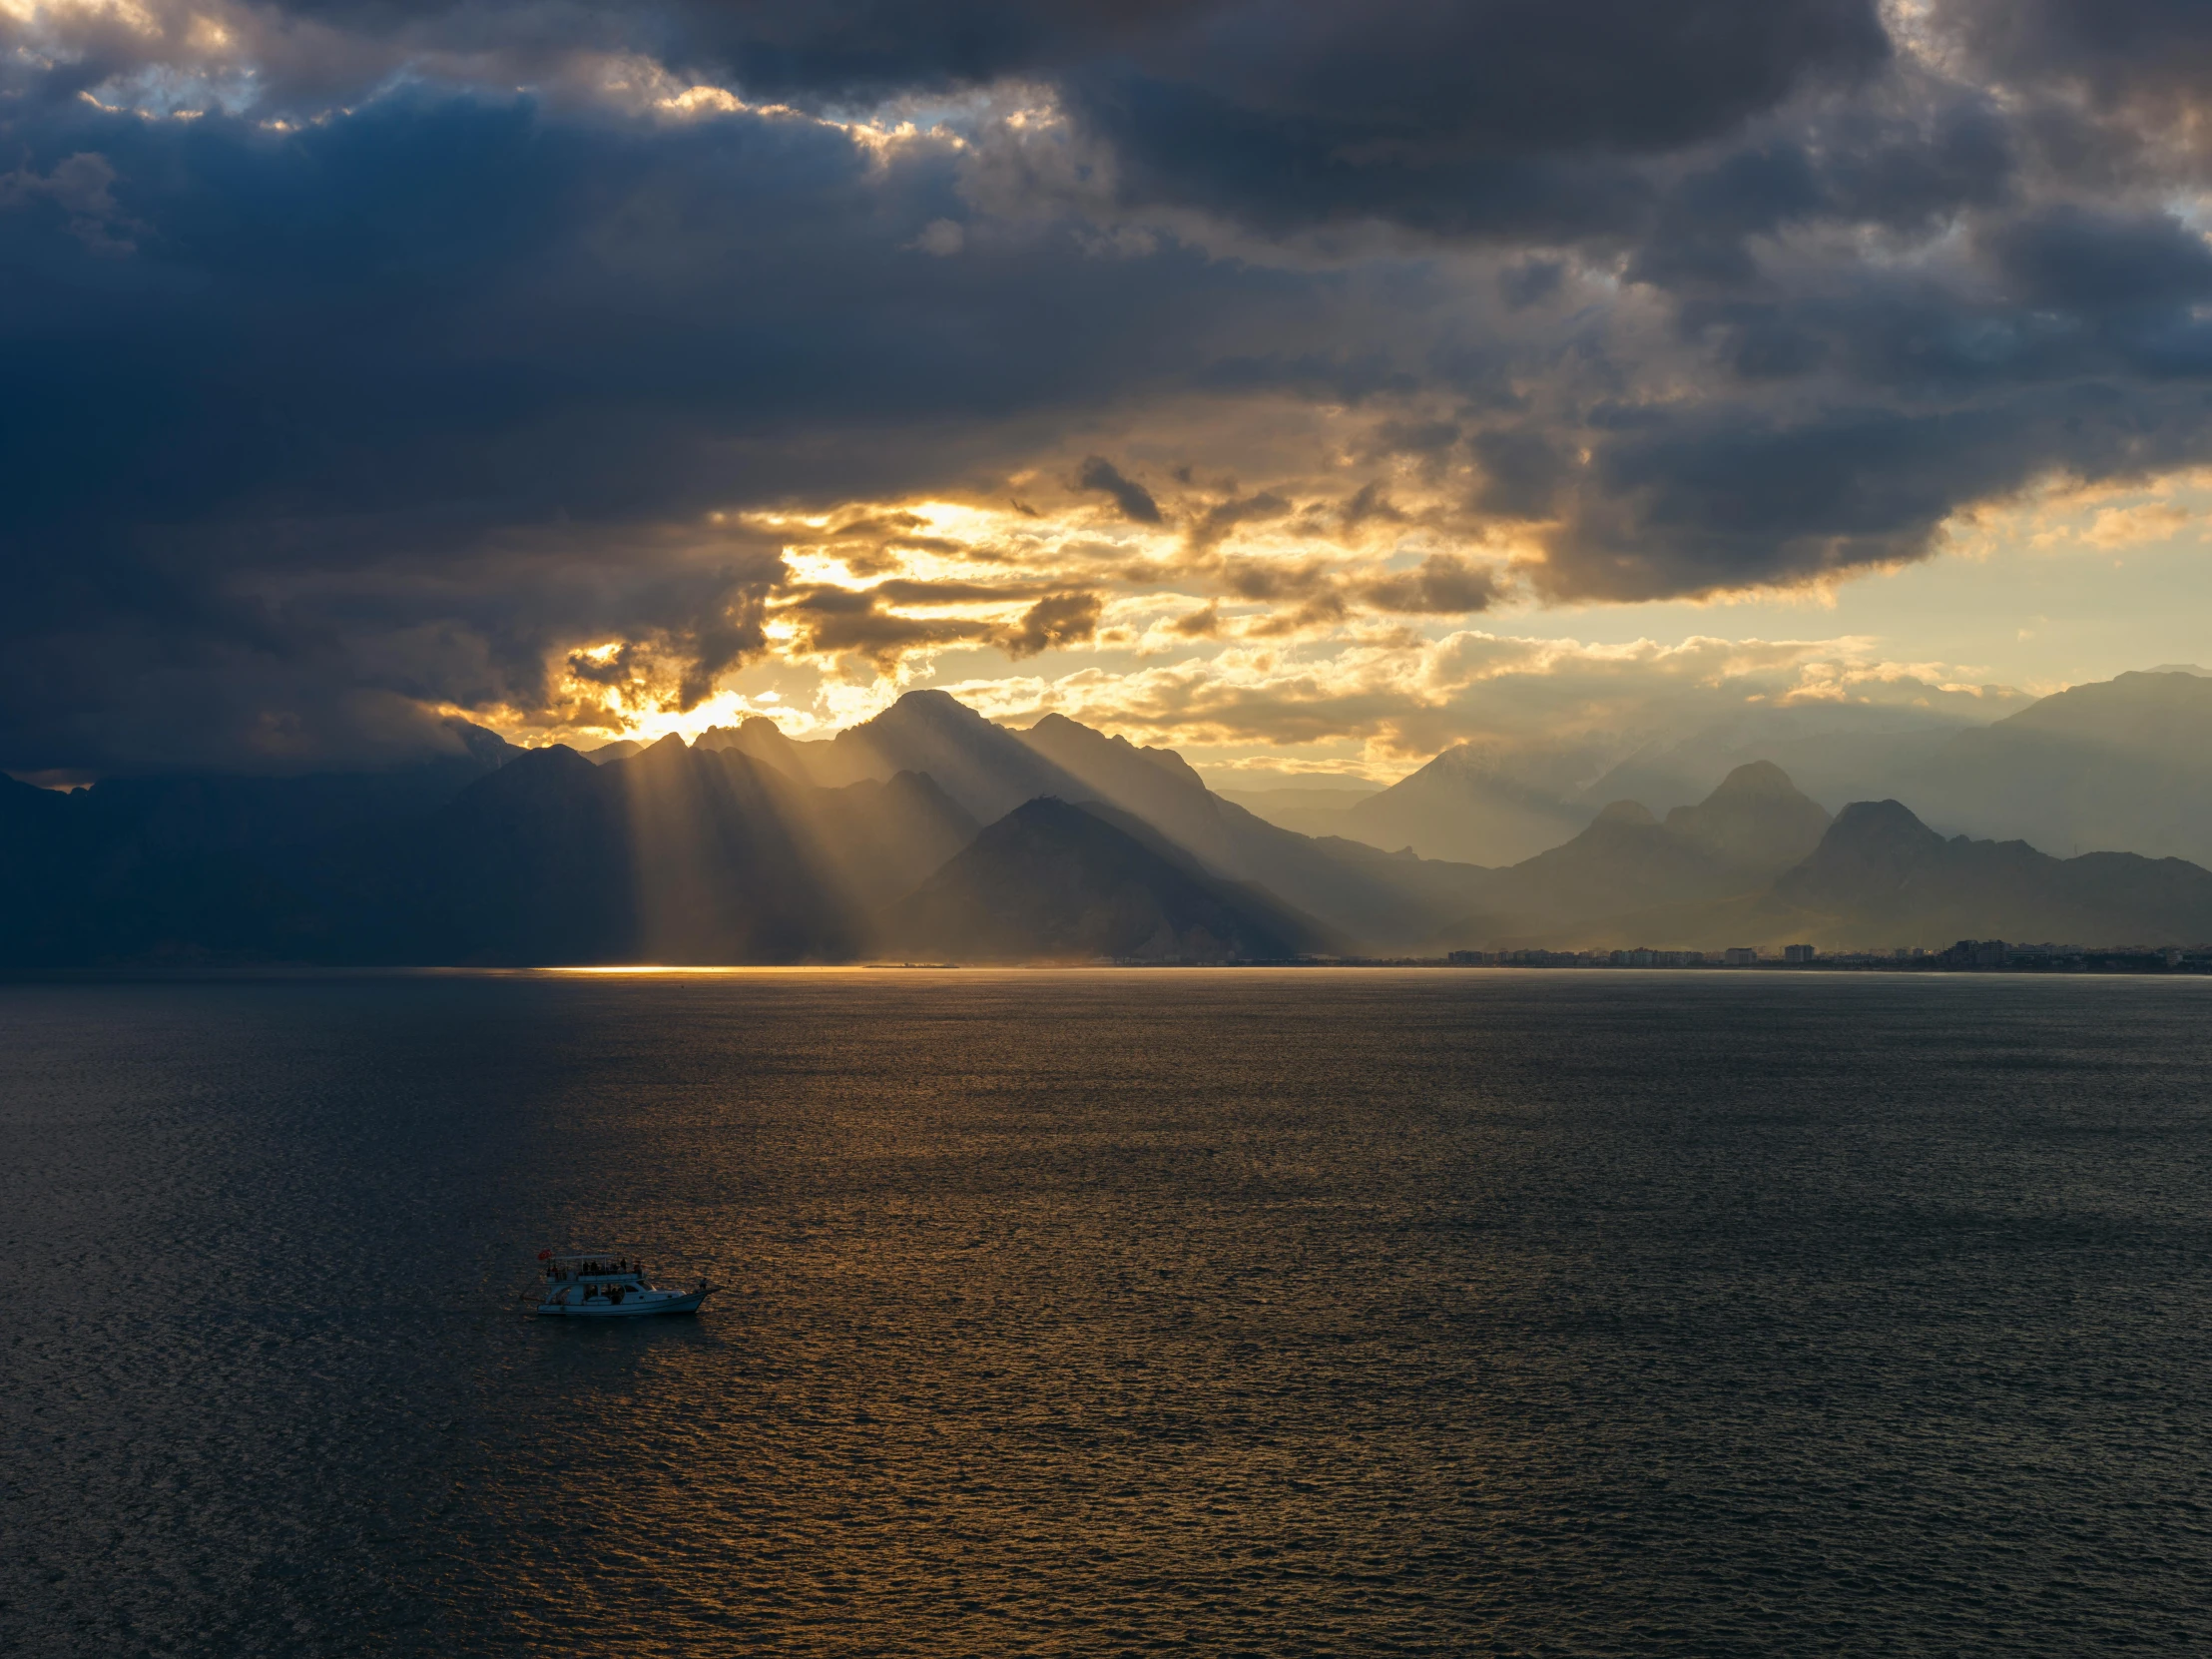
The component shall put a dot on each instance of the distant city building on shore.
(1967, 953)
(1978, 953)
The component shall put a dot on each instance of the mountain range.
(2122, 765)
(932, 833)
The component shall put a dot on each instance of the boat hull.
(629, 1308)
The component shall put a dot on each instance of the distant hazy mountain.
(1833, 752)
(1733, 843)
(1877, 878)
(2122, 765)
(1881, 877)
(1308, 811)
(1054, 882)
(1757, 821)
(1500, 804)
(1624, 861)
(1480, 804)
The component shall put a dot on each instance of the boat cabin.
(595, 1268)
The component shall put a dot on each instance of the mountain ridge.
(1055, 881)
(748, 846)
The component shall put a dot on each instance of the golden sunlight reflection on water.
(1287, 1312)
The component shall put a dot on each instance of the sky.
(1305, 386)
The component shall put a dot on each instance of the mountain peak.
(1626, 812)
(1102, 760)
(1864, 822)
(932, 704)
(1873, 847)
(479, 743)
(1757, 818)
(1871, 850)
(1756, 778)
(2173, 702)
(988, 769)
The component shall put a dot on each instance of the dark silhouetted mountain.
(531, 866)
(2122, 765)
(1052, 880)
(192, 867)
(42, 885)
(672, 855)
(1881, 877)
(164, 817)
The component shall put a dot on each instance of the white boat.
(608, 1284)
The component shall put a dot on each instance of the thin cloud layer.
(352, 387)
(1509, 694)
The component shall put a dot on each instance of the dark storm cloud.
(2089, 263)
(1508, 76)
(1134, 500)
(398, 403)
(1489, 114)
(2120, 49)
(1729, 498)
(317, 422)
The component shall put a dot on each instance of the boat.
(608, 1284)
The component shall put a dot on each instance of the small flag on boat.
(545, 1255)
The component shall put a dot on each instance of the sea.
(1234, 1312)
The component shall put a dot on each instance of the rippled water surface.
(1272, 1313)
